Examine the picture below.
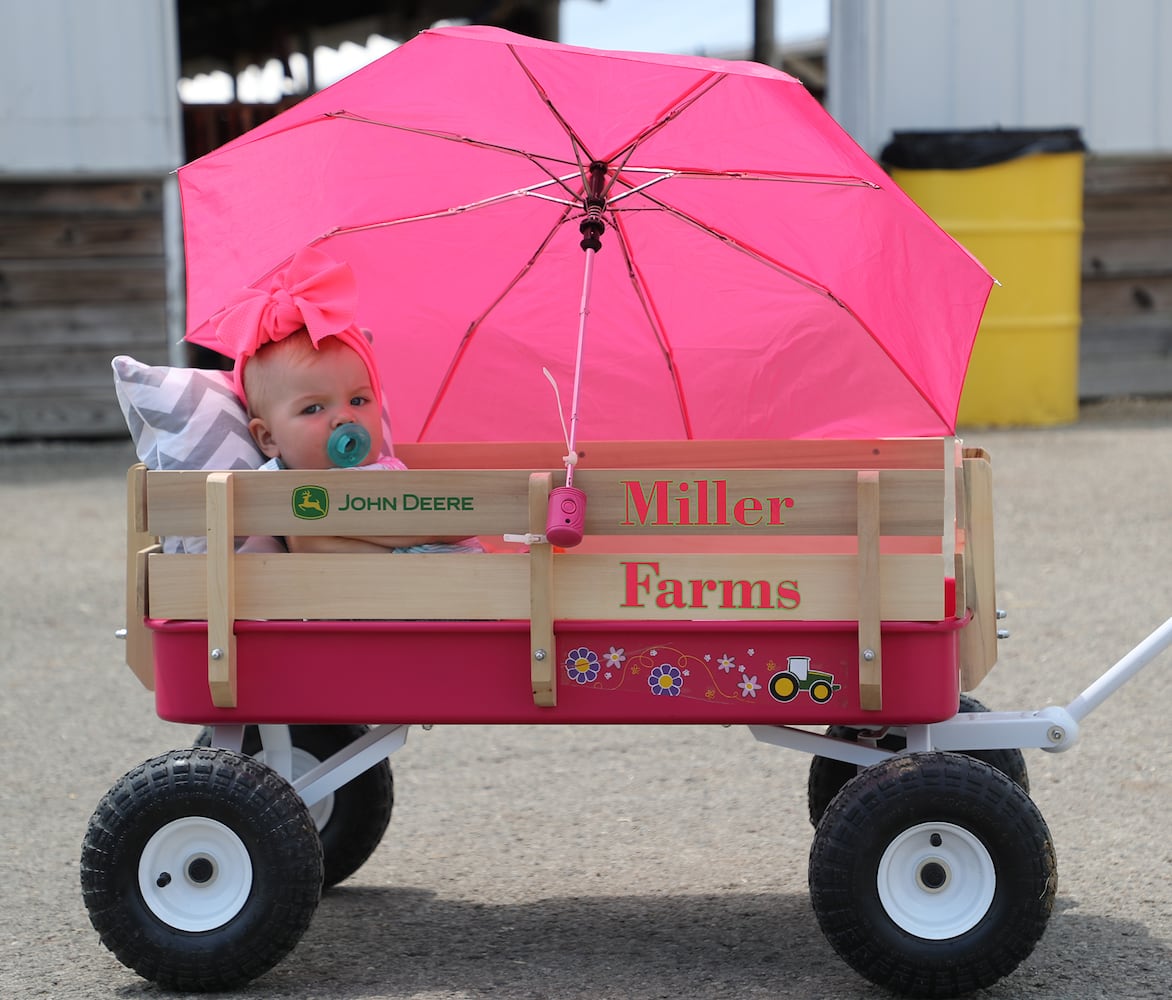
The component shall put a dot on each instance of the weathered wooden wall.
(82, 278)
(1126, 340)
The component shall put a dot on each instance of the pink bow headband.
(313, 292)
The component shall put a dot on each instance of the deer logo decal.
(311, 503)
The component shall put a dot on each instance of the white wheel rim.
(195, 874)
(303, 763)
(936, 881)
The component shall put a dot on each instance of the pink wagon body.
(634, 672)
(789, 587)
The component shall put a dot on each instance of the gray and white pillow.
(187, 418)
(184, 418)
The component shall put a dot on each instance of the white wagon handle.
(1054, 729)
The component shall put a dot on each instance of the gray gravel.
(558, 862)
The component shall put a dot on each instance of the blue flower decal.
(582, 665)
(666, 680)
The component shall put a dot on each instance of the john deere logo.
(311, 502)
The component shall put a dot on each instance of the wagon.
(834, 597)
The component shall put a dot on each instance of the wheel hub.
(195, 874)
(936, 881)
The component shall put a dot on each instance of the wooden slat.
(871, 590)
(139, 545)
(364, 587)
(542, 658)
(221, 589)
(818, 502)
(39, 235)
(823, 502)
(265, 503)
(978, 639)
(893, 453)
(586, 587)
(41, 282)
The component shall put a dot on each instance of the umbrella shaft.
(583, 312)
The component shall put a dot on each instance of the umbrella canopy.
(758, 276)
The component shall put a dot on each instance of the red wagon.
(776, 585)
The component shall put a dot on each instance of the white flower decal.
(749, 686)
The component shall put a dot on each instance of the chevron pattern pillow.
(184, 418)
(187, 418)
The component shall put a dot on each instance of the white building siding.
(88, 88)
(1100, 65)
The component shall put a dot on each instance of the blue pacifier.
(349, 445)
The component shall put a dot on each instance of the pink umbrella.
(720, 255)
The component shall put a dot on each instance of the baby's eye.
(312, 408)
(359, 401)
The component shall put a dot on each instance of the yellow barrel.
(1022, 218)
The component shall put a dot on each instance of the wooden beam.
(869, 584)
(139, 645)
(542, 651)
(221, 590)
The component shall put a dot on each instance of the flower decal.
(665, 679)
(615, 657)
(749, 686)
(582, 665)
(726, 663)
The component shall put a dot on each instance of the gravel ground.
(600, 862)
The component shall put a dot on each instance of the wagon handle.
(1123, 671)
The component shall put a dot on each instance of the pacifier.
(349, 444)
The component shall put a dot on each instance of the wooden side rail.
(869, 590)
(719, 559)
(542, 659)
(717, 502)
(889, 453)
(221, 588)
(139, 545)
(978, 640)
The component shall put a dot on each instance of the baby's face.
(316, 394)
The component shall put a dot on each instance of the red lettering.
(635, 583)
(701, 501)
(685, 506)
(643, 503)
(788, 597)
(775, 505)
(746, 594)
(698, 588)
(721, 501)
(671, 594)
(749, 505)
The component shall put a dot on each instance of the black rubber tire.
(361, 808)
(276, 872)
(914, 944)
(828, 776)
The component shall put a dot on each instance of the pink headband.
(313, 291)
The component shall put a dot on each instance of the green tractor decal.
(797, 676)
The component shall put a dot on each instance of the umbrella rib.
(494, 147)
(681, 104)
(575, 139)
(533, 191)
(644, 296)
(803, 280)
(474, 326)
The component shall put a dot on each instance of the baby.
(303, 369)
